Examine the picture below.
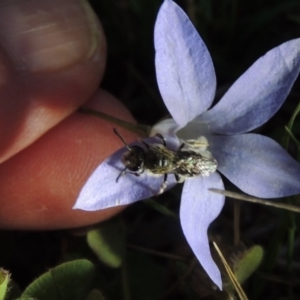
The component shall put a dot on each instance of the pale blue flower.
(254, 163)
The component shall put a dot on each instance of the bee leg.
(145, 144)
(181, 146)
(123, 173)
(164, 185)
(138, 173)
(162, 138)
(179, 178)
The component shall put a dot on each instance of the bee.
(157, 159)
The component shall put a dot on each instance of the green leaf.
(14, 291)
(108, 242)
(71, 280)
(289, 128)
(295, 114)
(248, 263)
(4, 280)
(291, 135)
(95, 295)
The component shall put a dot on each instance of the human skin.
(52, 59)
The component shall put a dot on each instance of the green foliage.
(249, 261)
(108, 243)
(71, 280)
(4, 280)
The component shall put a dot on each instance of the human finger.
(52, 58)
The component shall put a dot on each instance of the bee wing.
(168, 159)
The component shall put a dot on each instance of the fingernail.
(47, 35)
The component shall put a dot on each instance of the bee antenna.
(122, 139)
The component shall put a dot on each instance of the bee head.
(134, 159)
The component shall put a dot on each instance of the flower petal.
(102, 191)
(257, 95)
(184, 69)
(165, 127)
(257, 165)
(199, 207)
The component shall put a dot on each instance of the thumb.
(52, 57)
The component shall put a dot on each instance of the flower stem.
(141, 130)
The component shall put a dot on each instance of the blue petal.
(257, 95)
(199, 207)
(165, 127)
(102, 191)
(257, 165)
(184, 69)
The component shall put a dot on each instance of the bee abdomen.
(195, 165)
